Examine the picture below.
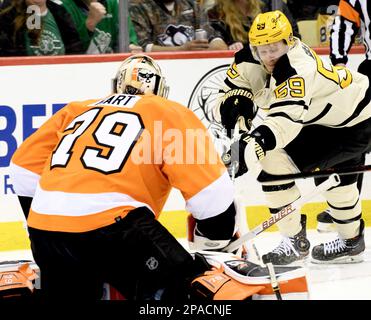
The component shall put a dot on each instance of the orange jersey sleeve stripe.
(348, 12)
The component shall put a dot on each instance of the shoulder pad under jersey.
(245, 55)
(283, 70)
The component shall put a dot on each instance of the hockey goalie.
(226, 276)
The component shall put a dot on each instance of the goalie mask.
(140, 74)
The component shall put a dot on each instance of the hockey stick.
(332, 181)
(267, 177)
(248, 246)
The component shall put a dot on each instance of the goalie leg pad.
(248, 280)
(16, 279)
(219, 285)
(215, 285)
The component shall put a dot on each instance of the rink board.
(14, 237)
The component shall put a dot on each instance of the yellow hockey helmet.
(270, 27)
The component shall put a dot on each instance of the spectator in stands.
(271, 5)
(351, 15)
(232, 18)
(97, 25)
(48, 29)
(309, 9)
(166, 25)
(47, 32)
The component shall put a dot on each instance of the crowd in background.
(58, 27)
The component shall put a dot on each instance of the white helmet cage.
(140, 74)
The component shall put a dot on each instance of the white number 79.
(120, 142)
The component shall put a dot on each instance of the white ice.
(326, 282)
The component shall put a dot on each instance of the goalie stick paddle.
(332, 181)
(267, 177)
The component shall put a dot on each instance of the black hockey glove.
(234, 160)
(237, 105)
(239, 160)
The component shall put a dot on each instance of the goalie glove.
(219, 228)
(200, 242)
(237, 105)
(196, 241)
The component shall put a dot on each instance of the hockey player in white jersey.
(318, 116)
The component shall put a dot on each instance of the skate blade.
(341, 260)
(302, 262)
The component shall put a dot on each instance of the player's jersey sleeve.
(28, 161)
(195, 169)
(344, 30)
(244, 73)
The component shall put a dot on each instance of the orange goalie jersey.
(96, 160)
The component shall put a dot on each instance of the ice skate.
(290, 249)
(341, 250)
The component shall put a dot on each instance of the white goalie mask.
(140, 74)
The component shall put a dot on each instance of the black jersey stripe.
(284, 115)
(287, 103)
(230, 84)
(363, 104)
(321, 115)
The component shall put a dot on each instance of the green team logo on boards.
(203, 100)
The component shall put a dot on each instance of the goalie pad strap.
(274, 282)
